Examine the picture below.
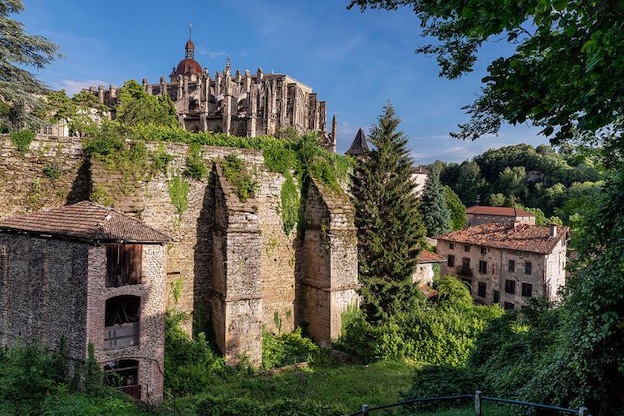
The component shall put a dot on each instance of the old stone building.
(507, 263)
(89, 275)
(239, 104)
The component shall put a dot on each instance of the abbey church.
(240, 104)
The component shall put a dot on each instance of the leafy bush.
(235, 171)
(195, 163)
(22, 139)
(286, 349)
(190, 363)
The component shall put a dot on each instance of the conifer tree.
(435, 213)
(19, 87)
(390, 230)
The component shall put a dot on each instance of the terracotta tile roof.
(84, 221)
(426, 256)
(504, 211)
(521, 237)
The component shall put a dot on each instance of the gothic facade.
(239, 104)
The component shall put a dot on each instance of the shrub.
(278, 351)
(235, 171)
(22, 139)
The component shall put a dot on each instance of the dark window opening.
(123, 264)
(123, 375)
(482, 266)
(452, 246)
(481, 289)
(496, 296)
(511, 266)
(483, 251)
(527, 267)
(121, 322)
(527, 290)
(465, 267)
(466, 248)
(508, 305)
(450, 261)
(510, 286)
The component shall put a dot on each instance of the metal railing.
(478, 400)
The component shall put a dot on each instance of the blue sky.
(355, 61)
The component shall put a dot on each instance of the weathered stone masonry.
(228, 259)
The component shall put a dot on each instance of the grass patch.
(348, 385)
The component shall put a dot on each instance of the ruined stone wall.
(43, 292)
(29, 182)
(329, 262)
(207, 242)
(151, 291)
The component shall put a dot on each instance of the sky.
(356, 62)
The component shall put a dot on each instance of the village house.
(479, 214)
(88, 275)
(507, 263)
(427, 268)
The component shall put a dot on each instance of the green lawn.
(348, 385)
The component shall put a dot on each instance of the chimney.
(553, 231)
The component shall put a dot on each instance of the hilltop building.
(507, 263)
(479, 214)
(239, 104)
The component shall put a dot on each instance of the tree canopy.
(18, 51)
(565, 73)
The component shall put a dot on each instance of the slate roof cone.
(359, 146)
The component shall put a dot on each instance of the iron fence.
(478, 399)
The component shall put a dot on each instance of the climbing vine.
(236, 172)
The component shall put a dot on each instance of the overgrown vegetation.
(22, 139)
(35, 381)
(178, 189)
(238, 174)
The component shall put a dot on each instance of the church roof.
(359, 145)
(84, 221)
(188, 66)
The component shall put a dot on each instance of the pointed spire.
(359, 145)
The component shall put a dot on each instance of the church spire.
(190, 46)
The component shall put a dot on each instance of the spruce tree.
(433, 208)
(19, 89)
(390, 231)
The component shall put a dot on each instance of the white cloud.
(72, 87)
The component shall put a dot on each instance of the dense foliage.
(564, 72)
(562, 184)
(19, 104)
(434, 210)
(390, 231)
(442, 330)
(35, 381)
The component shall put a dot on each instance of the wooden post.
(477, 403)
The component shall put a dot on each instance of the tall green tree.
(565, 72)
(456, 208)
(390, 231)
(19, 88)
(435, 213)
(136, 107)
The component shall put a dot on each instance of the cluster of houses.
(502, 256)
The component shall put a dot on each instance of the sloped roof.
(359, 145)
(521, 237)
(84, 221)
(502, 211)
(426, 256)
